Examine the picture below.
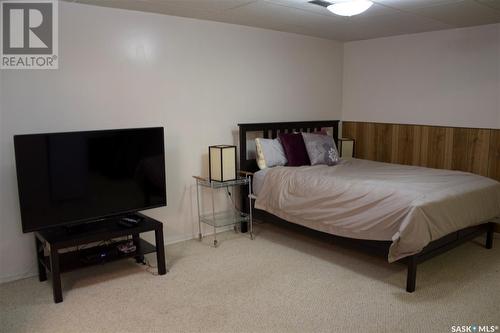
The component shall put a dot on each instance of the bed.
(410, 213)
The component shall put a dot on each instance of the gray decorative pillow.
(321, 149)
(270, 153)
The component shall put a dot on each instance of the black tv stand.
(51, 241)
(81, 227)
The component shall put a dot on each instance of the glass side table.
(223, 218)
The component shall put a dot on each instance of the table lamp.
(346, 148)
(222, 163)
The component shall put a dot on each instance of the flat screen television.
(75, 177)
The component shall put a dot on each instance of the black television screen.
(74, 177)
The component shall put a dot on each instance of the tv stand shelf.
(69, 261)
(53, 240)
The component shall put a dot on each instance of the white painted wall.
(449, 77)
(197, 78)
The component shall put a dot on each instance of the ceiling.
(384, 18)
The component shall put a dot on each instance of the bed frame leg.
(489, 235)
(411, 278)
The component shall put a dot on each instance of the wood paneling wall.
(473, 150)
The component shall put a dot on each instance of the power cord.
(150, 268)
(230, 195)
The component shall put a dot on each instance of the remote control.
(126, 224)
(130, 220)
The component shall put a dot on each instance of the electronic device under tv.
(76, 177)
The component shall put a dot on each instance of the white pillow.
(270, 153)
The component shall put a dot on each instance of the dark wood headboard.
(271, 130)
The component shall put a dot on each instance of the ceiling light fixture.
(349, 7)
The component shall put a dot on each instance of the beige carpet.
(280, 282)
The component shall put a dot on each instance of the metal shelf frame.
(223, 218)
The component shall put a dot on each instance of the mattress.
(408, 205)
(258, 180)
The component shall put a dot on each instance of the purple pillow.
(295, 149)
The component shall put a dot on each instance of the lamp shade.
(222, 163)
(346, 147)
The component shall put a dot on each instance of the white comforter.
(362, 199)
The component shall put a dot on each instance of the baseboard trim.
(169, 241)
(16, 277)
